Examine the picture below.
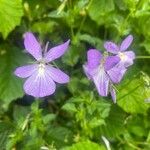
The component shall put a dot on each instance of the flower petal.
(25, 71)
(111, 61)
(57, 75)
(116, 73)
(32, 45)
(101, 81)
(86, 71)
(113, 94)
(126, 43)
(130, 54)
(111, 47)
(56, 52)
(93, 58)
(39, 85)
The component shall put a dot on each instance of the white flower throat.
(122, 56)
(41, 68)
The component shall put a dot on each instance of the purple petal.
(86, 71)
(25, 71)
(39, 85)
(116, 73)
(56, 52)
(126, 58)
(126, 43)
(101, 81)
(130, 54)
(57, 75)
(111, 47)
(93, 58)
(113, 94)
(111, 61)
(32, 46)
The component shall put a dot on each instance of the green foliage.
(11, 86)
(10, 15)
(75, 117)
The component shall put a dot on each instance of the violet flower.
(96, 70)
(41, 76)
(126, 58)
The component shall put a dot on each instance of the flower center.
(122, 56)
(41, 68)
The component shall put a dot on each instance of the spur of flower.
(126, 58)
(96, 69)
(41, 76)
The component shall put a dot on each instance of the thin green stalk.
(142, 57)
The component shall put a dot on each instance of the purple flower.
(41, 76)
(126, 58)
(96, 70)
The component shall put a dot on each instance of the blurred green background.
(75, 117)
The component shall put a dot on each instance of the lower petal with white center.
(39, 85)
(101, 81)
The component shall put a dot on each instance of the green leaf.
(114, 122)
(70, 107)
(11, 86)
(99, 8)
(132, 97)
(59, 136)
(10, 15)
(85, 145)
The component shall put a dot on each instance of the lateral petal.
(25, 71)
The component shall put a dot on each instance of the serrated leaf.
(85, 145)
(10, 85)
(10, 15)
(132, 97)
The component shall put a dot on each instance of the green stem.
(142, 57)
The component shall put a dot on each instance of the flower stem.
(142, 57)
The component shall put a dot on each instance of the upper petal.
(39, 85)
(101, 81)
(25, 71)
(57, 75)
(111, 61)
(56, 52)
(93, 58)
(111, 47)
(32, 45)
(126, 43)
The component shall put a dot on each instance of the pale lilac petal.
(111, 47)
(93, 58)
(56, 51)
(25, 71)
(111, 61)
(86, 71)
(101, 81)
(32, 46)
(57, 75)
(130, 54)
(39, 85)
(116, 73)
(126, 43)
(113, 94)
